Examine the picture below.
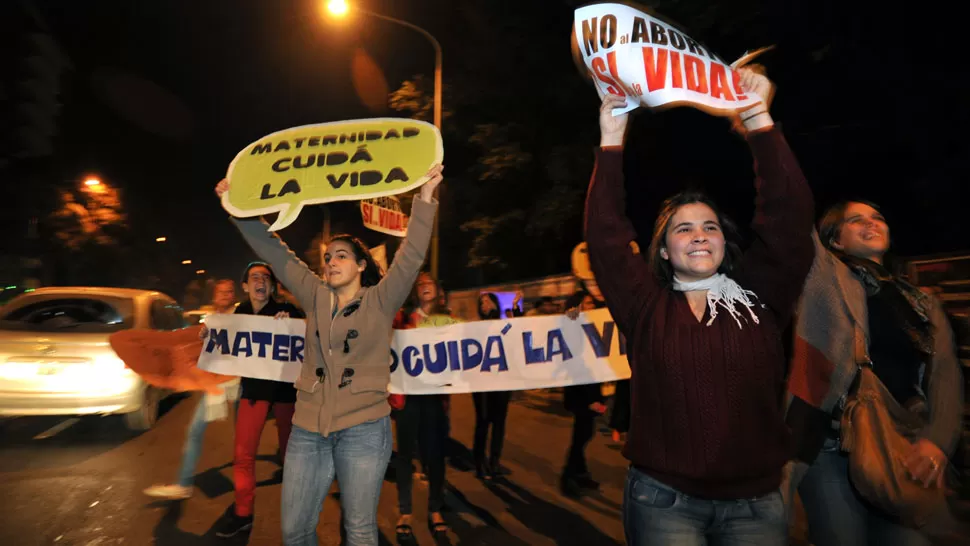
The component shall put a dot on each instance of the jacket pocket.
(306, 384)
(368, 384)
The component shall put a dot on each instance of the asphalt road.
(79, 482)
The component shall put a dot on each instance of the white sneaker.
(170, 492)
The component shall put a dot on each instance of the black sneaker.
(230, 524)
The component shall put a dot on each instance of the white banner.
(651, 62)
(507, 355)
(493, 355)
(384, 214)
(254, 346)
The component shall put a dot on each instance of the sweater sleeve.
(944, 386)
(621, 272)
(292, 272)
(780, 256)
(396, 285)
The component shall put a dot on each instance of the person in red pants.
(257, 398)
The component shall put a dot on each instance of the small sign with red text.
(384, 214)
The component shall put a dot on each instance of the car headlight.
(111, 364)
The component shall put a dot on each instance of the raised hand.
(222, 187)
(756, 117)
(435, 176)
(612, 128)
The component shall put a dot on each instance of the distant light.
(11, 287)
(200, 271)
(160, 239)
(28, 290)
(186, 262)
(338, 8)
(92, 181)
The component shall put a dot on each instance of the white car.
(55, 358)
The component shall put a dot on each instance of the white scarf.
(723, 291)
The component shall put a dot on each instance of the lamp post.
(340, 8)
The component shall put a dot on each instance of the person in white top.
(210, 408)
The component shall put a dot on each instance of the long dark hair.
(372, 273)
(497, 313)
(830, 226)
(661, 267)
(414, 303)
(830, 230)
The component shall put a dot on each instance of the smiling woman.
(706, 422)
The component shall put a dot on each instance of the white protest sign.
(254, 346)
(651, 62)
(384, 214)
(505, 355)
(495, 355)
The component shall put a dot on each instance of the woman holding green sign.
(341, 426)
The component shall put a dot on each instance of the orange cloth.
(167, 359)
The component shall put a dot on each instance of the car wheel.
(145, 417)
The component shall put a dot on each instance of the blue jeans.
(193, 445)
(358, 457)
(836, 514)
(655, 514)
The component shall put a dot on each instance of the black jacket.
(264, 389)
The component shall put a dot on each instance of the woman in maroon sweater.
(704, 326)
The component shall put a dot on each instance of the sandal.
(405, 534)
(439, 531)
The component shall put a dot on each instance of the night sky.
(163, 94)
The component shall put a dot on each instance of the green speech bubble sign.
(341, 161)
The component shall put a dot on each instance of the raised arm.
(295, 275)
(396, 285)
(621, 272)
(781, 254)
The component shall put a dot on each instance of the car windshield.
(77, 313)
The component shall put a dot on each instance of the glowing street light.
(92, 181)
(186, 262)
(160, 239)
(200, 271)
(337, 8)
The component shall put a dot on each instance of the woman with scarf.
(491, 408)
(703, 323)
(852, 293)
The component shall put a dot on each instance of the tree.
(519, 151)
(92, 215)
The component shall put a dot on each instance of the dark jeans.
(422, 421)
(836, 514)
(583, 429)
(491, 409)
(655, 514)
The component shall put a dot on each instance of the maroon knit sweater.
(707, 401)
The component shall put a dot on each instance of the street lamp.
(339, 8)
(92, 181)
(160, 239)
(186, 262)
(200, 271)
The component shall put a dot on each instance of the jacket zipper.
(333, 318)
